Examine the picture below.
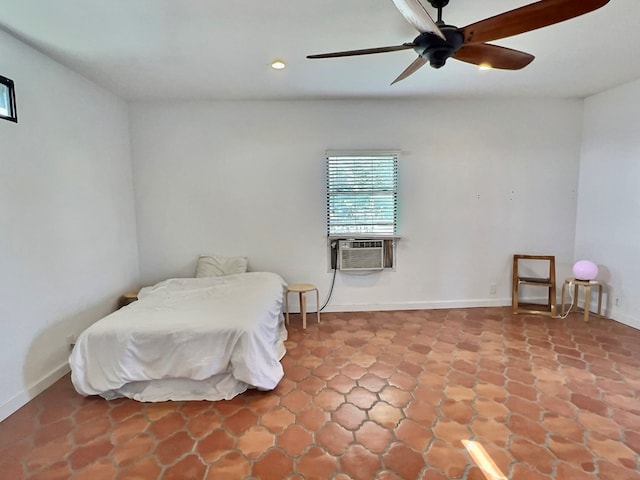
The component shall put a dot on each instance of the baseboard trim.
(372, 307)
(21, 399)
(500, 302)
(627, 320)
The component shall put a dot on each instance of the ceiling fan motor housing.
(439, 3)
(435, 49)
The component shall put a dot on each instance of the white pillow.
(216, 266)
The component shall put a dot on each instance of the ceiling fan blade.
(414, 67)
(530, 17)
(493, 56)
(365, 51)
(416, 15)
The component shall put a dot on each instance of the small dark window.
(7, 100)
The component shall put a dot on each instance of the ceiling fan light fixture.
(278, 65)
(485, 66)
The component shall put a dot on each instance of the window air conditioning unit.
(360, 255)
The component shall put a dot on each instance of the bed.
(205, 338)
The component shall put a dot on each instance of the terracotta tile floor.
(384, 395)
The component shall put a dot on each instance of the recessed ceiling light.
(278, 64)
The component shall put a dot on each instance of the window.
(7, 100)
(362, 192)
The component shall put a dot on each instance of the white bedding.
(187, 339)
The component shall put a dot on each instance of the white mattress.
(187, 339)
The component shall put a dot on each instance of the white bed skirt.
(187, 339)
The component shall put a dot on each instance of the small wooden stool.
(302, 289)
(587, 284)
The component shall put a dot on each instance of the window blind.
(362, 193)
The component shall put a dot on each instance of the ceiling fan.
(438, 41)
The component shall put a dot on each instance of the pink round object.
(585, 270)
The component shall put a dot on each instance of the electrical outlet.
(71, 341)
(617, 301)
(492, 289)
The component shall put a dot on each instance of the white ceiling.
(213, 49)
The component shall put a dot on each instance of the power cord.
(573, 301)
(333, 281)
(334, 246)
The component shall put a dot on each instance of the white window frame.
(378, 172)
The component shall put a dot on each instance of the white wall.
(479, 181)
(607, 228)
(67, 225)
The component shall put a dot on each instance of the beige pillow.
(217, 266)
